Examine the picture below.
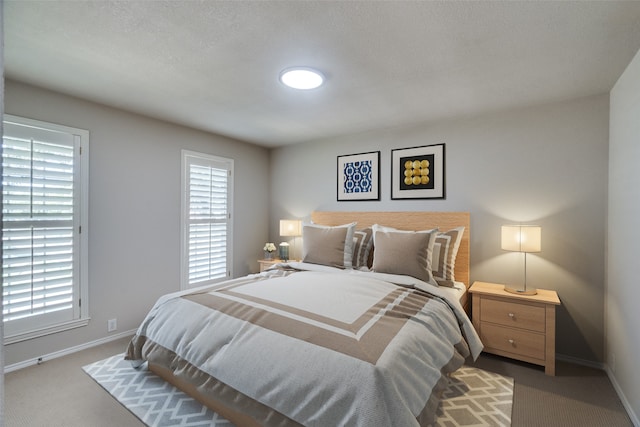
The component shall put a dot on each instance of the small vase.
(284, 251)
(268, 255)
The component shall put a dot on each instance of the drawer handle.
(511, 315)
(512, 342)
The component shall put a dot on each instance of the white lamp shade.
(522, 238)
(290, 227)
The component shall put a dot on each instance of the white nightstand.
(521, 327)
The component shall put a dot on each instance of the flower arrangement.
(269, 249)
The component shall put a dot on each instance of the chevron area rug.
(473, 398)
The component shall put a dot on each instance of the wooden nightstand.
(266, 263)
(521, 327)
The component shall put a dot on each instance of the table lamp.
(522, 238)
(289, 228)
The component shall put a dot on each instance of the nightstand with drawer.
(521, 327)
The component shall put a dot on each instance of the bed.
(342, 338)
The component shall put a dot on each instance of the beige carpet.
(474, 397)
(577, 396)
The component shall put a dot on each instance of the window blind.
(40, 227)
(207, 219)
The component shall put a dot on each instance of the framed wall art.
(359, 176)
(418, 172)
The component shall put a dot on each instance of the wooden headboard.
(409, 221)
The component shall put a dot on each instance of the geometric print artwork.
(357, 177)
(473, 397)
(417, 172)
(476, 397)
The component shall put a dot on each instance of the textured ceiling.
(214, 65)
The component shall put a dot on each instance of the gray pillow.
(404, 252)
(332, 246)
(362, 244)
(445, 251)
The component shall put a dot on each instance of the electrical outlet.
(112, 325)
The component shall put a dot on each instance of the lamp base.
(521, 291)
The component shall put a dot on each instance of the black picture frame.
(358, 177)
(418, 172)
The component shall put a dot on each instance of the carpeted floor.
(474, 397)
(577, 396)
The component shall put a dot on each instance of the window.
(207, 189)
(44, 231)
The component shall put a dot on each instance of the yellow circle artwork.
(416, 172)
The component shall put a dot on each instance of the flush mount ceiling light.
(301, 78)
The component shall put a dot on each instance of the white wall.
(544, 164)
(623, 291)
(134, 208)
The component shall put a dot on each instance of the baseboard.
(582, 362)
(625, 402)
(64, 352)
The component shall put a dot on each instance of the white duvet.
(322, 346)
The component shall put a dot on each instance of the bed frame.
(400, 220)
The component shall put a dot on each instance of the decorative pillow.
(362, 244)
(404, 252)
(332, 246)
(445, 250)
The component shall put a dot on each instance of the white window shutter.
(41, 244)
(206, 218)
